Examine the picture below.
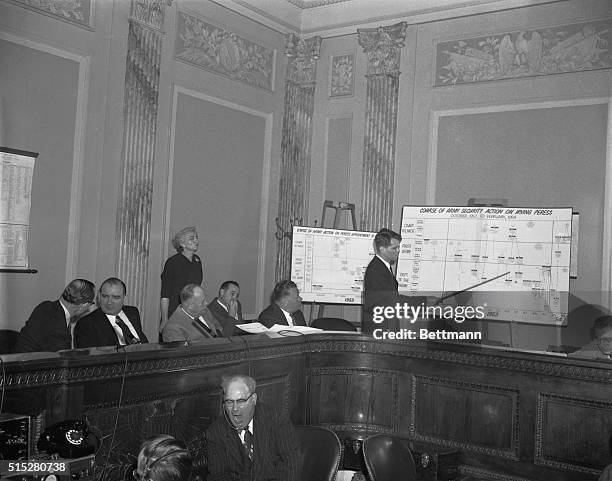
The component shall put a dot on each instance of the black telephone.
(69, 439)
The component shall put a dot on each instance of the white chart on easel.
(328, 265)
(447, 249)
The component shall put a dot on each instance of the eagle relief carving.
(525, 53)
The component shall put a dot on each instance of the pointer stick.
(471, 287)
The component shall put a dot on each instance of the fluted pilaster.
(382, 46)
(296, 142)
(138, 151)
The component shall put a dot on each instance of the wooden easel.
(338, 208)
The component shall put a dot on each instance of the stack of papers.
(277, 330)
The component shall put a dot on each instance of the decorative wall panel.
(479, 417)
(567, 428)
(223, 52)
(74, 11)
(525, 53)
(295, 144)
(342, 82)
(382, 46)
(354, 398)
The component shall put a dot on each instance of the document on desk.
(258, 328)
(300, 329)
(253, 327)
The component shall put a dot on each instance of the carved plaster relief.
(525, 53)
(74, 11)
(342, 75)
(223, 52)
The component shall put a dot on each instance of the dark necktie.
(208, 330)
(248, 443)
(127, 334)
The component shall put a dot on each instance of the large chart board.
(16, 170)
(328, 265)
(448, 249)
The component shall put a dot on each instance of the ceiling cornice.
(304, 4)
(331, 18)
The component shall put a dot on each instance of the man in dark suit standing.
(113, 323)
(226, 307)
(380, 285)
(51, 324)
(285, 308)
(251, 441)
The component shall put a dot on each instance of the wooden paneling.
(480, 417)
(572, 432)
(511, 416)
(354, 398)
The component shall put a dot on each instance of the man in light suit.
(380, 285)
(191, 321)
(285, 308)
(226, 307)
(113, 323)
(50, 326)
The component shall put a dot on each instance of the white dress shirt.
(385, 263)
(69, 325)
(241, 433)
(288, 317)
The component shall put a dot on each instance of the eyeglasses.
(237, 402)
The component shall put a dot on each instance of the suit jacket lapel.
(108, 334)
(388, 271)
(59, 312)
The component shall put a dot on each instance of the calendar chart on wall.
(518, 259)
(328, 265)
(16, 172)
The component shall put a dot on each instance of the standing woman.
(181, 269)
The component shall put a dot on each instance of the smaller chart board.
(525, 252)
(328, 265)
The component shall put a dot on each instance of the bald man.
(191, 321)
(251, 440)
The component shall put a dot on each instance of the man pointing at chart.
(380, 285)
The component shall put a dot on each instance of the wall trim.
(606, 260)
(265, 182)
(74, 216)
(328, 118)
(432, 159)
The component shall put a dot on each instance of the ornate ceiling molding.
(304, 4)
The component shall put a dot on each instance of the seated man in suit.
(251, 440)
(226, 307)
(601, 345)
(113, 323)
(285, 308)
(191, 321)
(50, 327)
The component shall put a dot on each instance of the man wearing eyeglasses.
(251, 441)
(601, 345)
